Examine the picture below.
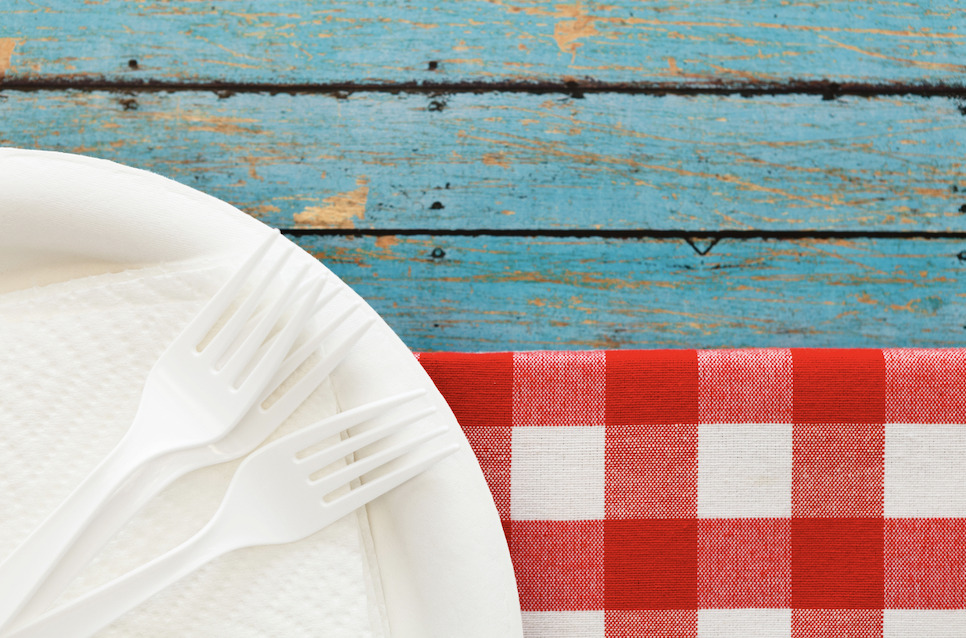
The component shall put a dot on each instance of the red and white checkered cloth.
(733, 493)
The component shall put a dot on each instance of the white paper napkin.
(73, 358)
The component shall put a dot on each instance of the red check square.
(558, 388)
(493, 449)
(559, 565)
(745, 386)
(837, 623)
(652, 387)
(650, 623)
(925, 563)
(925, 386)
(837, 563)
(744, 563)
(838, 386)
(651, 564)
(651, 471)
(478, 388)
(838, 470)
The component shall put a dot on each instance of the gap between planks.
(827, 89)
(700, 241)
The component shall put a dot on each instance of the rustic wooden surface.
(501, 174)
(677, 42)
(517, 161)
(554, 293)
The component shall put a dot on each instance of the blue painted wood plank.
(504, 293)
(516, 161)
(677, 42)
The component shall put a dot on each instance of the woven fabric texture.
(770, 493)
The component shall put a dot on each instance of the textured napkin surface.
(75, 356)
(751, 493)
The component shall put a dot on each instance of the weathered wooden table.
(496, 175)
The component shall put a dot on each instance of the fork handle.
(99, 608)
(23, 571)
(121, 507)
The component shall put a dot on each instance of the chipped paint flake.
(496, 159)
(337, 211)
(579, 25)
(7, 45)
(196, 120)
(263, 209)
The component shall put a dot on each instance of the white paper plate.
(440, 548)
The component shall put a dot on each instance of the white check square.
(746, 623)
(744, 470)
(563, 624)
(923, 623)
(924, 465)
(557, 473)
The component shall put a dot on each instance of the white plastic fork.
(272, 499)
(193, 396)
(256, 426)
